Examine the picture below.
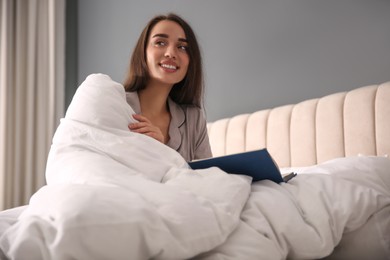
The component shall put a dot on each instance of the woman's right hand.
(144, 126)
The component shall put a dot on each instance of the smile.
(169, 66)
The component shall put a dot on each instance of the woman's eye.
(183, 47)
(160, 43)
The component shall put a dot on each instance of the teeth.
(168, 66)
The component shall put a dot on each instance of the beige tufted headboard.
(312, 131)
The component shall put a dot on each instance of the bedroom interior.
(95, 194)
(319, 104)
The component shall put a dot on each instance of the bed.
(113, 194)
(301, 136)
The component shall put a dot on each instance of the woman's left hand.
(144, 126)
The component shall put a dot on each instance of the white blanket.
(114, 194)
(307, 217)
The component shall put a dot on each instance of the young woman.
(164, 86)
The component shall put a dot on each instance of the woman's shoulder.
(193, 111)
(133, 100)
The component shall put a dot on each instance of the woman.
(164, 86)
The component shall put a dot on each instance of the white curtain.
(31, 93)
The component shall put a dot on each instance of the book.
(258, 164)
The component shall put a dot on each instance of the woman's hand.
(144, 126)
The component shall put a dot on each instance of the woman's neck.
(153, 99)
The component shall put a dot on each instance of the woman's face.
(166, 53)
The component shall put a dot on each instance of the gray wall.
(257, 54)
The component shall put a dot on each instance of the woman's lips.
(169, 67)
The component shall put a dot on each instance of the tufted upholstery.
(312, 131)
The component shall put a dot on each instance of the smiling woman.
(167, 56)
(165, 87)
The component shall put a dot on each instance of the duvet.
(114, 194)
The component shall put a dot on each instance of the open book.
(258, 164)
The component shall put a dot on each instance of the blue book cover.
(258, 164)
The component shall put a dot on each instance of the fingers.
(142, 123)
(153, 132)
(141, 118)
(144, 126)
(139, 126)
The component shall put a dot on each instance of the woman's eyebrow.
(163, 35)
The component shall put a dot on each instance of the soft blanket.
(343, 201)
(114, 194)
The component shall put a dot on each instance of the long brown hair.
(188, 91)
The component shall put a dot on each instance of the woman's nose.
(170, 52)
